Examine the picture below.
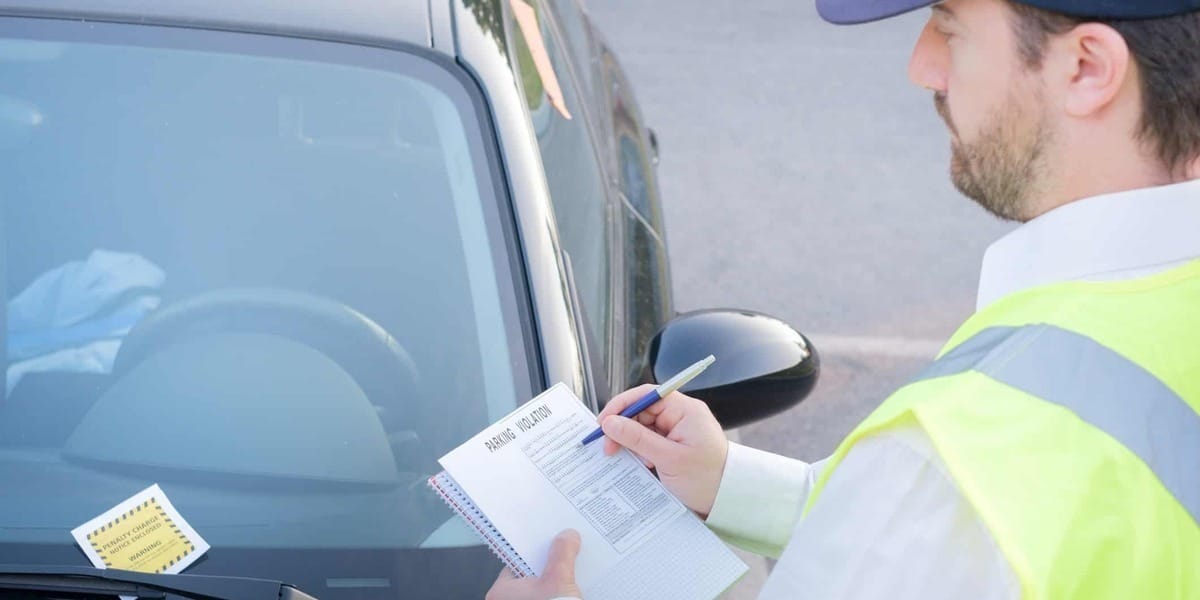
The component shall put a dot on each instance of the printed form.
(531, 477)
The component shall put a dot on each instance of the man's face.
(991, 102)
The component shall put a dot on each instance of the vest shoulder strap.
(1097, 384)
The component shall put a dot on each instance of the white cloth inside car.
(72, 318)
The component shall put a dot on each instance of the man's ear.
(1092, 64)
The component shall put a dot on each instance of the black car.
(279, 256)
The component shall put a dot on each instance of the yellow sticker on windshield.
(144, 533)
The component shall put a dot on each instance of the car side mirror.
(763, 366)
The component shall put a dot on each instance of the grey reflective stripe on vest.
(1102, 387)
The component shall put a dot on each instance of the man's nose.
(929, 62)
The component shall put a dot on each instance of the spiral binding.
(459, 502)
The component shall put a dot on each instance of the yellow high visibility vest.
(1069, 417)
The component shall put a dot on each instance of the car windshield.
(268, 275)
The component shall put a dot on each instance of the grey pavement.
(805, 177)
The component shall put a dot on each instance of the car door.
(585, 205)
(630, 157)
(647, 300)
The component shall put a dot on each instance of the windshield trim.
(389, 25)
(90, 580)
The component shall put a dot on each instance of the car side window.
(573, 20)
(573, 170)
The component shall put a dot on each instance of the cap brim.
(850, 12)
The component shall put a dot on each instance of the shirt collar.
(1113, 236)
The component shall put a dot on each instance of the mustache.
(943, 111)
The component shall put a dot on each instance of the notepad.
(525, 478)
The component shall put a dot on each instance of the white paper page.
(532, 479)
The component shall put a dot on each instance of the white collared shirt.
(891, 523)
(1115, 236)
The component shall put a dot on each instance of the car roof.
(380, 21)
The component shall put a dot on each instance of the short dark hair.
(1167, 53)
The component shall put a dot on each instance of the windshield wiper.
(88, 580)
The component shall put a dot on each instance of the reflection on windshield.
(72, 318)
(265, 284)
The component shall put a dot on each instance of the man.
(1053, 449)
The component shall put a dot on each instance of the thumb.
(560, 563)
(638, 438)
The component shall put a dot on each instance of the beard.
(1004, 168)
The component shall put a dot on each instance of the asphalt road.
(804, 176)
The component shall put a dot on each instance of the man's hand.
(678, 436)
(557, 580)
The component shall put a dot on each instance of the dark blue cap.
(846, 12)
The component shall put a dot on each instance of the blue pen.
(656, 394)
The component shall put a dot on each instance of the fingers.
(624, 399)
(647, 444)
(505, 575)
(611, 448)
(675, 411)
(645, 418)
(662, 415)
(557, 579)
(560, 563)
